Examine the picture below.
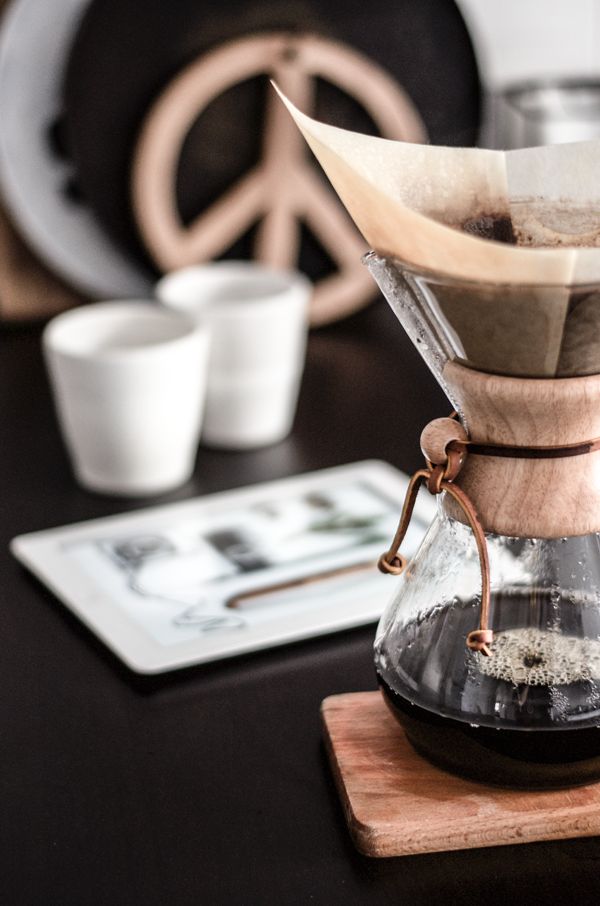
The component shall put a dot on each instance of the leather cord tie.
(438, 477)
(445, 445)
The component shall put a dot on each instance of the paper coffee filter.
(528, 306)
(412, 202)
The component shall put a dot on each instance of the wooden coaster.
(398, 804)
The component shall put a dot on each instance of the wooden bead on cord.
(436, 436)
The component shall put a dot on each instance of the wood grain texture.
(533, 498)
(436, 436)
(397, 804)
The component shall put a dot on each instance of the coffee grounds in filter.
(537, 657)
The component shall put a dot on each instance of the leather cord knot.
(480, 640)
(392, 564)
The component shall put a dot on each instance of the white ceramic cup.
(258, 322)
(129, 381)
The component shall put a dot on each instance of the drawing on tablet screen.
(238, 566)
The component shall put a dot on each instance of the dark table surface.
(210, 785)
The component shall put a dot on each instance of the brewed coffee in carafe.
(529, 713)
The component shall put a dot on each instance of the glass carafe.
(528, 713)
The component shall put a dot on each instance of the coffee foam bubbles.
(537, 657)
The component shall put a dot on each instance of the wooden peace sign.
(283, 189)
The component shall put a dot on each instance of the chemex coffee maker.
(489, 651)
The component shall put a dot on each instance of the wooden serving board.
(398, 804)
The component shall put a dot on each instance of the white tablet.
(216, 576)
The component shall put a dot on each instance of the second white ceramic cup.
(258, 323)
(129, 381)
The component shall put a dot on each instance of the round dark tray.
(125, 52)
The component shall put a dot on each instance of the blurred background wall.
(517, 40)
